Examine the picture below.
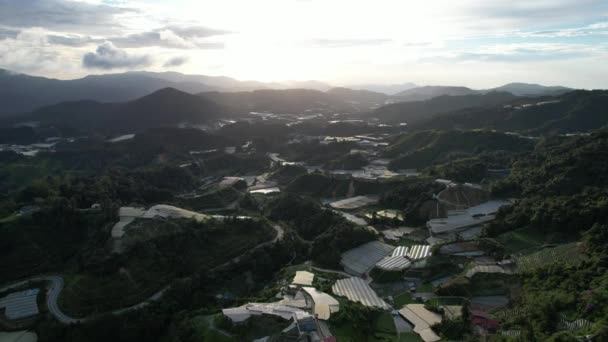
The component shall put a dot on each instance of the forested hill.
(298, 101)
(420, 111)
(577, 111)
(425, 148)
(562, 190)
(165, 107)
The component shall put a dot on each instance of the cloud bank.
(108, 57)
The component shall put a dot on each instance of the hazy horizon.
(342, 43)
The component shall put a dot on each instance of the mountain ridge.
(165, 107)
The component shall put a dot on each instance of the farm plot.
(566, 254)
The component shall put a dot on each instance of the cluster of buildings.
(463, 224)
(306, 307)
(29, 150)
(376, 254)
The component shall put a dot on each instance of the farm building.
(484, 321)
(452, 311)
(360, 260)
(303, 278)
(20, 305)
(230, 181)
(387, 214)
(445, 182)
(305, 327)
(322, 304)
(353, 202)
(397, 261)
(242, 313)
(422, 320)
(397, 233)
(418, 252)
(458, 220)
(121, 138)
(169, 211)
(487, 269)
(266, 191)
(357, 290)
(403, 257)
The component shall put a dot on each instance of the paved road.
(51, 298)
(326, 270)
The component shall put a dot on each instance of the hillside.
(577, 111)
(388, 89)
(429, 92)
(20, 93)
(417, 111)
(422, 149)
(297, 101)
(528, 89)
(162, 108)
(23, 93)
(517, 89)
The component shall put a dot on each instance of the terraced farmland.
(566, 254)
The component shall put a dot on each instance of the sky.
(480, 44)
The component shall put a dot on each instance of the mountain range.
(165, 107)
(21, 93)
(517, 89)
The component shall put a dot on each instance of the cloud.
(8, 33)
(417, 44)
(176, 61)
(341, 43)
(195, 31)
(73, 16)
(524, 52)
(29, 51)
(73, 40)
(107, 57)
(171, 37)
(518, 13)
(600, 28)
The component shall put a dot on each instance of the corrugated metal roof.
(353, 202)
(394, 263)
(357, 290)
(363, 258)
(458, 219)
(418, 252)
(422, 319)
(486, 269)
(400, 251)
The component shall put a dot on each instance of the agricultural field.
(383, 331)
(526, 240)
(566, 254)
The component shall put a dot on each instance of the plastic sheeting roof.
(303, 278)
(20, 305)
(357, 290)
(363, 258)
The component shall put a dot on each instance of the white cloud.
(107, 57)
(30, 51)
(424, 41)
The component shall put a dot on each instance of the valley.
(412, 232)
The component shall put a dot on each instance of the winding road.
(57, 284)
